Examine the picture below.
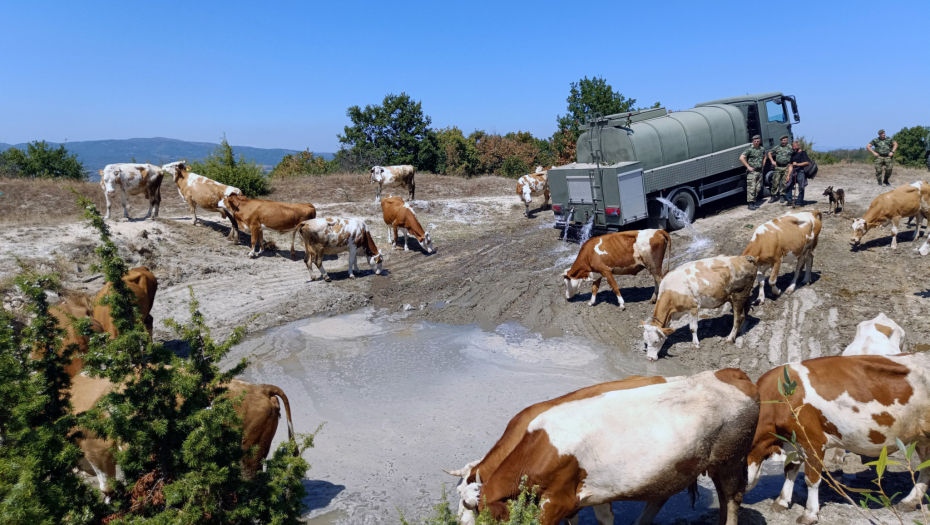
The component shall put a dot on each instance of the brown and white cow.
(259, 411)
(330, 236)
(792, 236)
(132, 179)
(473, 472)
(878, 336)
(533, 185)
(645, 444)
(888, 208)
(855, 403)
(256, 215)
(706, 283)
(622, 253)
(65, 313)
(197, 190)
(393, 177)
(143, 284)
(399, 215)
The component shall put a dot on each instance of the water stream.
(699, 244)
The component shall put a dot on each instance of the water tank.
(668, 139)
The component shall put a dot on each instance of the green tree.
(395, 132)
(459, 153)
(42, 161)
(222, 166)
(303, 163)
(912, 146)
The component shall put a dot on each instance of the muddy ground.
(492, 266)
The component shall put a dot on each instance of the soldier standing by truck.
(780, 157)
(884, 148)
(753, 157)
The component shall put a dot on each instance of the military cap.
(881, 131)
(784, 137)
(754, 137)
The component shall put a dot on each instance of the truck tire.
(684, 201)
(767, 184)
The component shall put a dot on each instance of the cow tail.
(693, 492)
(272, 390)
(668, 252)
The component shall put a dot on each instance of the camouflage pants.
(887, 164)
(753, 185)
(779, 179)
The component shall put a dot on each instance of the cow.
(644, 444)
(330, 236)
(705, 283)
(794, 236)
(878, 336)
(393, 177)
(259, 411)
(257, 214)
(143, 284)
(533, 185)
(472, 473)
(622, 253)
(197, 190)
(399, 215)
(857, 403)
(65, 313)
(889, 207)
(132, 179)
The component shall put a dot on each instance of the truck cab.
(766, 115)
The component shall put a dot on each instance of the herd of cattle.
(640, 438)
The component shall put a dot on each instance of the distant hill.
(95, 154)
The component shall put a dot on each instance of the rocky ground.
(492, 266)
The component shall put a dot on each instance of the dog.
(837, 198)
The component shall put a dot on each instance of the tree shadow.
(179, 347)
(320, 493)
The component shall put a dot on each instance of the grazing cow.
(399, 215)
(142, 282)
(794, 236)
(331, 236)
(259, 411)
(393, 177)
(889, 207)
(197, 190)
(472, 473)
(132, 179)
(706, 283)
(257, 214)
(533, 185)
(879, 336)
(644, 444)
(856, 403)
(65, 312)
(622, 253)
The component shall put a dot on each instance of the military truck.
(628, 161)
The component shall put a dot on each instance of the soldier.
(753, 158)
(780, 157)
(884, 150)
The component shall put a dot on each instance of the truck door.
(776, 122)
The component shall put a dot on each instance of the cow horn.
(478, 477)
(456, 473)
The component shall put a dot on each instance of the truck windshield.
(776, 111)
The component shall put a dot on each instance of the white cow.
(330, 236)
(879, 336)
(393, 177)
(533, 185)
(132, 179)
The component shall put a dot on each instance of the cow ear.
(99, 172)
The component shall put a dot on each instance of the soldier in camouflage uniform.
(884, 149)
(753, 158)
(780, 157)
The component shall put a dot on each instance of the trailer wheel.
(684, 201)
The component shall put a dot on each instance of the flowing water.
(403, 400)
(568, 222)
(585, 232)
(699, 245)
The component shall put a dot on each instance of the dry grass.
(354, 187)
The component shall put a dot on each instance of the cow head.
(376, 174)
(109, 179)
(427, 243)
(176, 169)
(859, 227)
(233, 201)
(468, 492)
(654, 338)
(571, 285)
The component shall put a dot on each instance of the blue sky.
(281, 74)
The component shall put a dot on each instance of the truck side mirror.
(794, 109)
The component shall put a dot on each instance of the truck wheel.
(684, 201)
(766, 190)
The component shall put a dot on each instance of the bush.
(912, 146)
(222, 166)
(42, 161)
(523, 511)
(514, 167)
(303, 163)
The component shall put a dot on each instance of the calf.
(472, 473)
(132, 179)
(793, 235)
(706, 283)
(399, 215)
(879, 336)
(197, 190)
(623, 253)
(143, 284)
(257, 214)
(837, 198)
(533, 185)
(644, 444)
(331, 236)
(888, 208)
(393, 177)
(855, 403)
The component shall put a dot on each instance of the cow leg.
(649, 512)
(151, 198)
(739, 316)
(613, 286)
(157, 201)
(390, 231)
(413, 190)
(814, 453)
(730, 485)
(378, 194)
(406, 235)
(595, 286)
(894, 232)
(802, 261)
(294, 238)
(109, 204)
(234, 226)
(193, 209)
(810, 266)
(256, 229)
(760, 278)
(783, 501)
(125, 203)
(546, 194)
(353, 254)
(526, 212)
(909, 504)
(694, 328)
(773, 277)
(920, 221)
(658, 280)
(308, 260)
(604, 514)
